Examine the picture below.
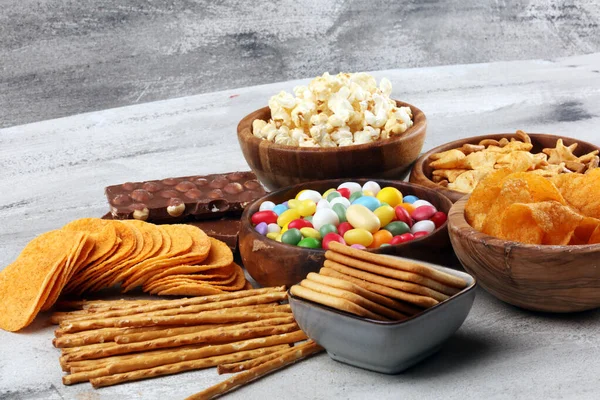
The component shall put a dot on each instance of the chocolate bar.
(185, 198)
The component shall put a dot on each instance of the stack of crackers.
(376, 286)
(111, 342)
(91, 254)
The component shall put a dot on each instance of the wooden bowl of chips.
(546, 278)
(422, 172)
(272, 263)
(278, 166)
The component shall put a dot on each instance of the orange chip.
(518, 225)
(483, 196)
(582, 192)
(595, 236)
(584, 230)
(101, 231)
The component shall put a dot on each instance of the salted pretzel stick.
(392, 273)
(294, 354)
(97, 346)
(403, 265)
(231, 333)
(246, 301)
(165, 332)
(421, 301)
(403, 307)
(90, 304)
(231, 368)
(207, 317)
(90, 365)
(207, 361)
(425, 298)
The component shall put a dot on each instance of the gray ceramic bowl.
(388, 347)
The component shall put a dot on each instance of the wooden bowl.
(272, 263)
(421, 172)
(536, 277)
(278, 166)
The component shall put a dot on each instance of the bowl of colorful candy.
(284, 235)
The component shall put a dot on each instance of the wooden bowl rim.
(457, 222)
(244, 130)
(245, 219)
(418, 165)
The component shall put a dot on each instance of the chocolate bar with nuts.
(185, 198)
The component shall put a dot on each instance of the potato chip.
(512, 191)
(518, 225)
(101, 231)
(584, 230)
(582, 192)
(483, 196)
(190, 289)
(595, 236)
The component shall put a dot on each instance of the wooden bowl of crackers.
(273, 263)
(278, 166)
(455, 168)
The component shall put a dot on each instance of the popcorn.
(332, 111)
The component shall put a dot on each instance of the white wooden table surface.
(54, 171)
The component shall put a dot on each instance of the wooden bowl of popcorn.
(336, 127)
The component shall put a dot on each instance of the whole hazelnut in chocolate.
(140, 211)
(141, 195)
(129, 186)
(219, 183)
(233, 188)
(184, 186)
(170, 181)
(252, 184)
(167, 194)
(121, 200)
(194, 194)
(215, 194)
(175, 207)
(201, 182)
(151, 187)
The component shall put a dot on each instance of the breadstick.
(409, 288)
(294, 354)
(101, 335)
(88, 304)
(335, 302)
(207, 317)
(246, 365)
(403, 265)
(90, 365)
(230, 333)
(97, 346)
(168, 310)
(420, 301)
(403, 307)
(238, 349)
(353, 298)
(392, 273)
(166, 332)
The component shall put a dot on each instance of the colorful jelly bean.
(385, 214)
(308, 218)
(327, 228)
(266, 206)
(423, 226)
(381, 237)
(262, 228)
(307, 207)
(355, 196)
(299, 224)
(423, 212)
(419, 203)
(273, 228)
(279, 209)
(372, 203)
(368, 193)
(390, 195)
(420, 234)
(333, 195)
(323, 203)
(293, 203)
(352, 186)
(272, 235)
(397, 228)
(310, 243)
(310, 195)
(358, 246)
(291, 236)
(361, 217)
(310, 233)
(325, 216)
(439, 218)
(410, 199)
(403, 215)
(345, 192)
(340, 210)
(358, 236)
(372, 187)
(340, 200)
(405, 237)
(331, 237)
(326, 193)
(288, 216)
(343, 228)
(408, 207)
(266, 216)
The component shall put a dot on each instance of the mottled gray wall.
(62, 57)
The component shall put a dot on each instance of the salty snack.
(529, 208)
(332, 111)
(462, 169)
(375, 286)
(366, 216)
(184, 198)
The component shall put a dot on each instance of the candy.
(340, 200)
(266, 206)
(310, 243)
(380, 238)
(408, 207)
(423, 212)
(291, 236)
(272, 235)
(352, 186)
(299, 193)
(333, 195)
(405, 237)
(368, 193)
(323, 203)
(358, 236)
(266, 216)
(306, 208)
(355, 196)
(420, 234)
(358, 246)
(261, 228)
(397, 228)
(325, 216)
(278, 237)
(390, 195)
(402, 215)
(343, 228)
(309, 195)
(361, 217)
(439, 218)
(420, 203)
(327, 228)
(280, 209)
(331, 237)
(372, 203)
(345, 192)
(372, 187)
(310, 233)
(385, 214)
(299, 224)
(273, 228)
(340, 210)
(287, 216)
(326, 193)
(410, 199)
(293, 203)
(308, 218)
(423, 226)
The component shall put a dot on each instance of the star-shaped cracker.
(561, 153)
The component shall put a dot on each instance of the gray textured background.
(63, 57)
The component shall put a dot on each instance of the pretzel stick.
(208, 361)
(419, 299)
(231, 333)
(208, 317)
(403, 265)
(294, 354)
(403, 307)
(392, 273)
(169, 310)
(165, 332)
(97, 346)
(383, 290)
(246, 365)
(91, 304)
(90, 365)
